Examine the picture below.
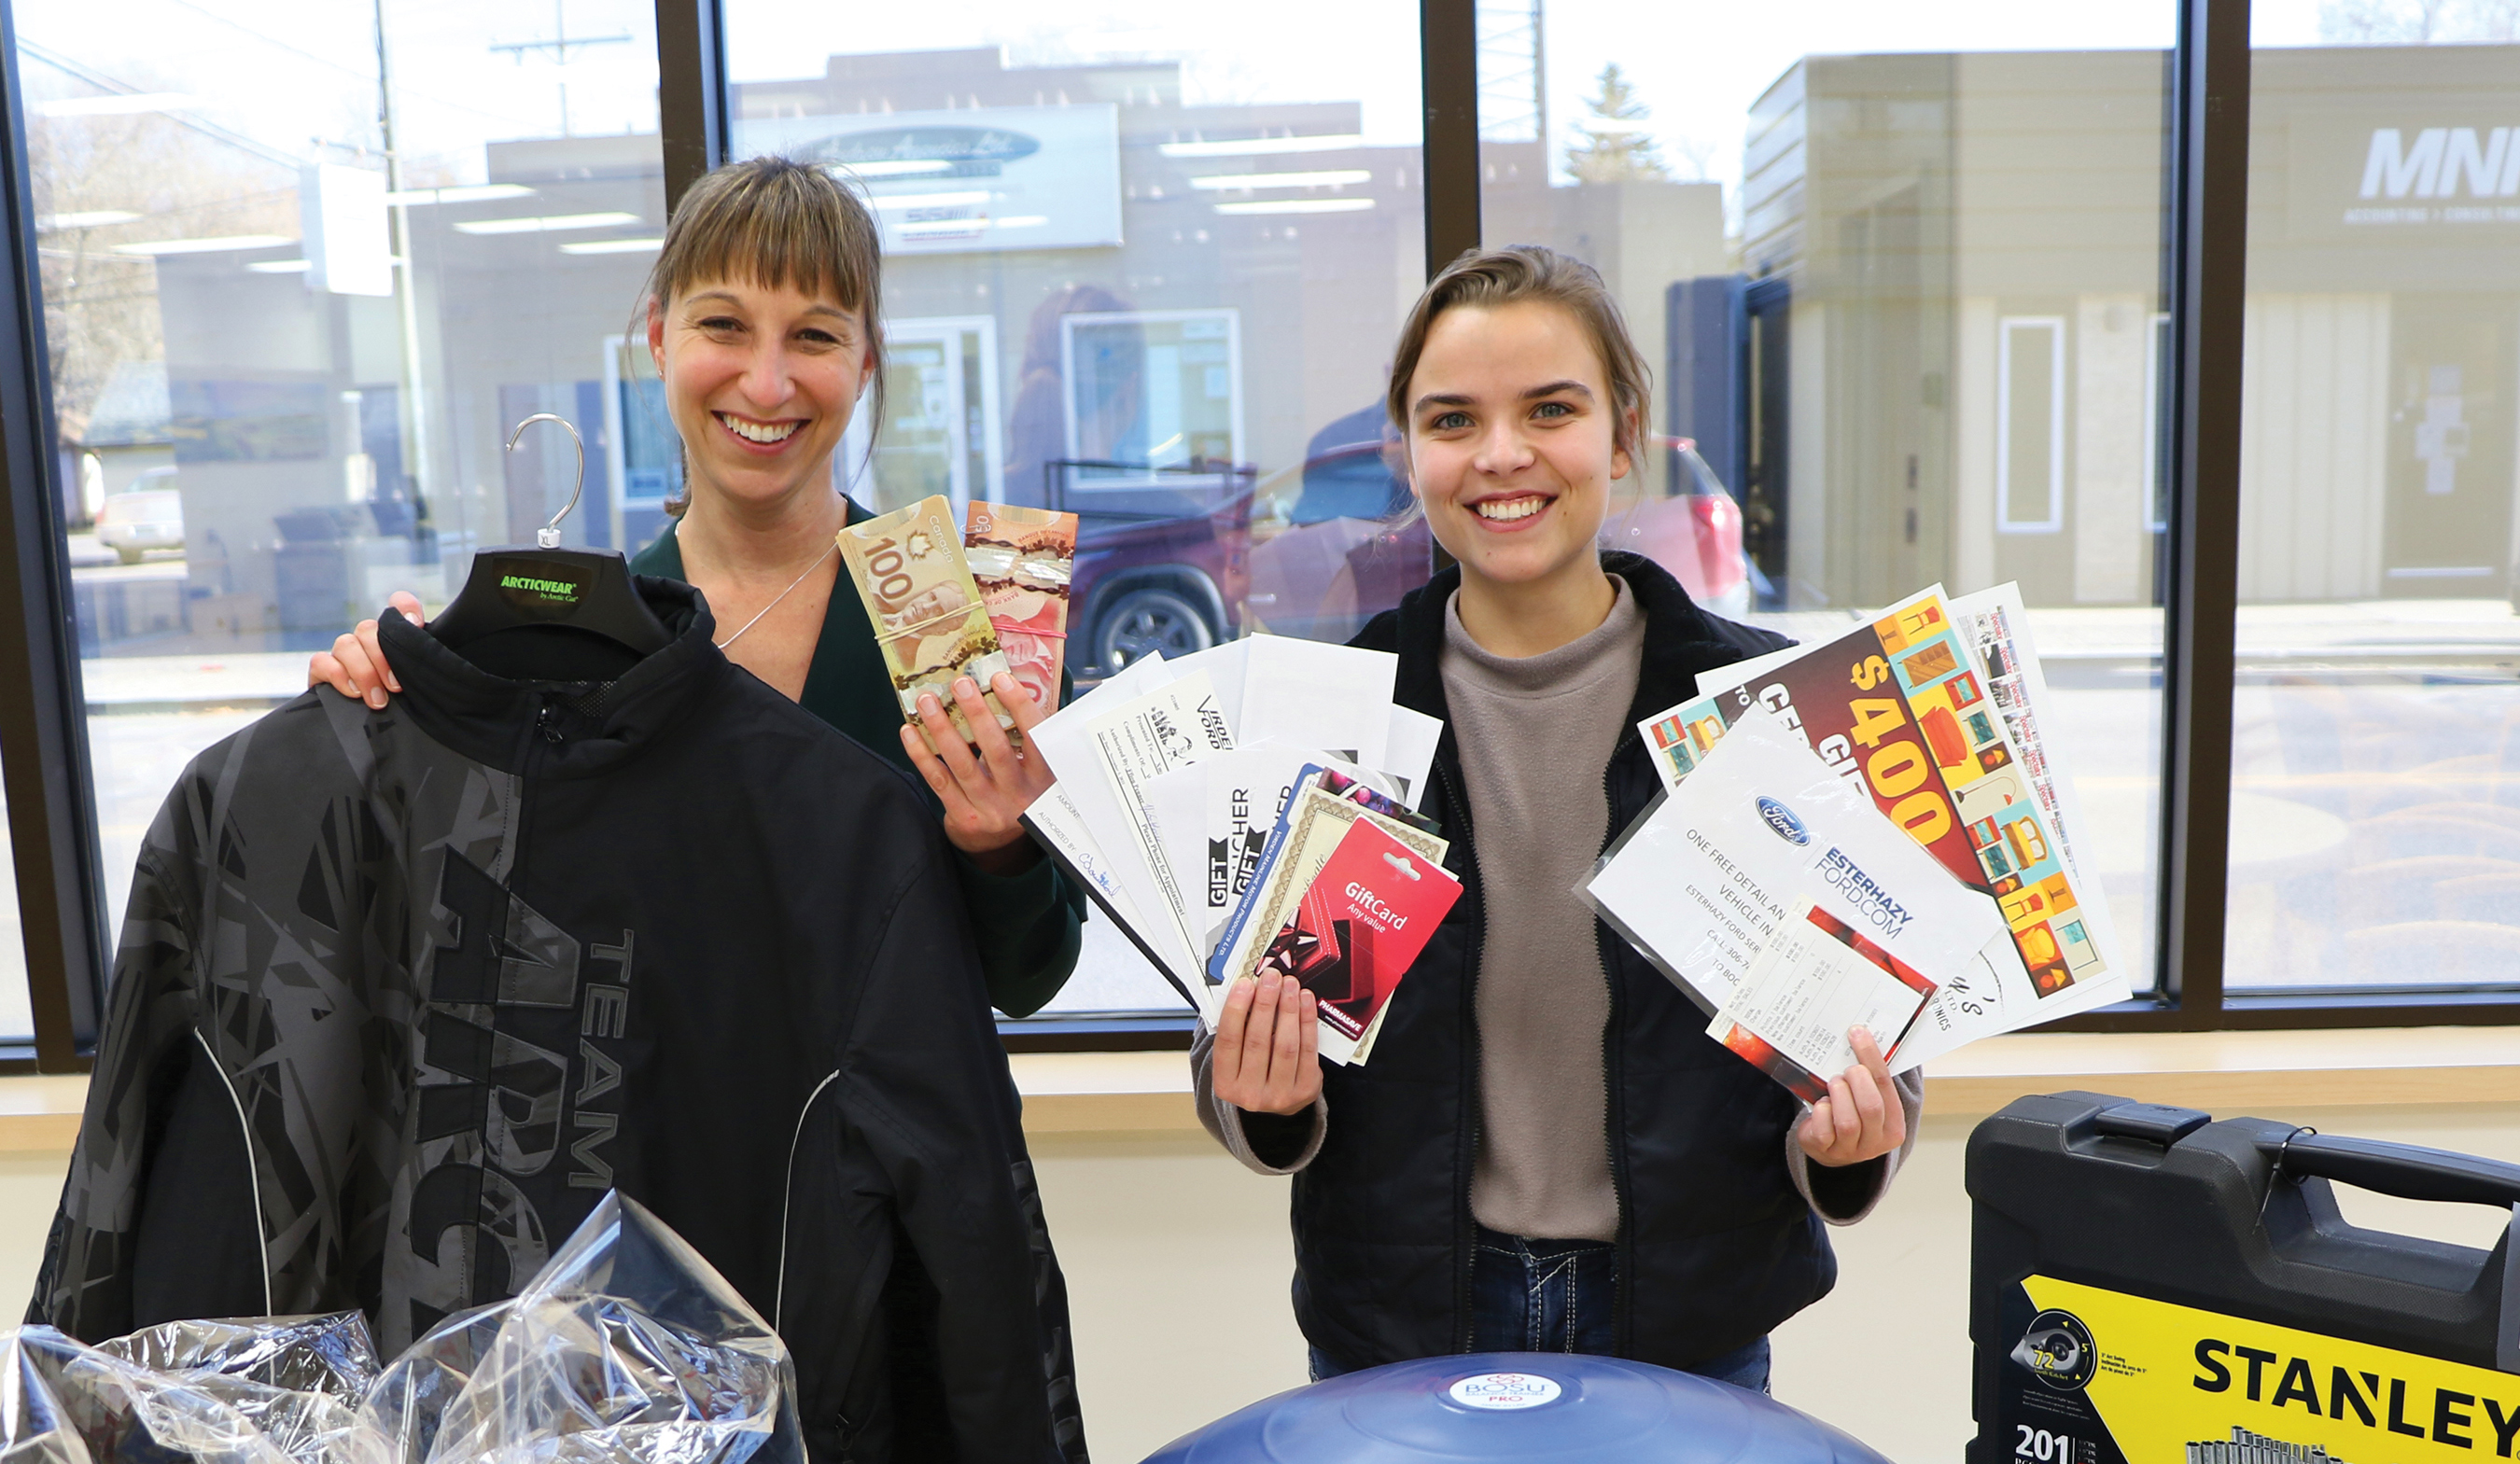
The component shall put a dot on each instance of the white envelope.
(1311, 693)
(1055, 821)
(1226, 666)
(1174, 726)
(1409, 752)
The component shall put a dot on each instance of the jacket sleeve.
(85, 1286)
(1266, 1143)
(1842, 1196)
(931, 1120)
(1744, 641)
(1029, 928)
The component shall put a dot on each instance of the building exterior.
(1934, 352)
(1943, 356)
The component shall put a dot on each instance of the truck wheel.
(1149, 618)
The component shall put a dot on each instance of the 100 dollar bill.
(929, 618)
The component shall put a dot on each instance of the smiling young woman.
(762, 316)
(1547, 1153)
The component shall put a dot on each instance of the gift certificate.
(1818, 977)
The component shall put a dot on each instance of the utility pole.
(1540, 83)
(559, 46)
(410, 407)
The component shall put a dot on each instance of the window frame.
(43, 738)
(43, 733)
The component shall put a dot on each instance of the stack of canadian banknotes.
(1251, 808)
(1877, 829)
(949, 601)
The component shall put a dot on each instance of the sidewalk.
(2344, 633)
(157, 683)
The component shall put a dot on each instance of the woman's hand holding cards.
(1266, 1055)
(1861, 1118)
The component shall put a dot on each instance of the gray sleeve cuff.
(1284, 1144)
(1843, 1196)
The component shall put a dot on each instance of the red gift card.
(1361, 923)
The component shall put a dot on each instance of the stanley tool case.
(2150, 1286)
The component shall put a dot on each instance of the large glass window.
(2375, 779)
(1144, 264)
(1897, 270)
(303, 268)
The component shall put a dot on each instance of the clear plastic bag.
(332, 1354)
(73, 1403)
(626, 1346)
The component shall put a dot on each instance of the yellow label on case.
(2176, 1385)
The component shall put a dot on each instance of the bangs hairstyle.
(1492, 277)
(776, 224)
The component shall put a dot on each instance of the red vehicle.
(1161, 558)
(1176, 560)
(1696, 533)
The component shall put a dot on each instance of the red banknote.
(1022, 558)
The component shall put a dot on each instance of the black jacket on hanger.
(401, 994)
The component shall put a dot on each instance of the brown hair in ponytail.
(1530, 272)
(779, 224)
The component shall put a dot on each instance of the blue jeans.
(1556, 1296)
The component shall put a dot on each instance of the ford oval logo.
(1782, 819)
(924, 153)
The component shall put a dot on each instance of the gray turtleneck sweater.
(1535, 733)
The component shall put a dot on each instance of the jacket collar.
(1680, 641)
(581, 729)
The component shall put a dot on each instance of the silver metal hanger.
(548, 536)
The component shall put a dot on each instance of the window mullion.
(43, 734)
(690, 92)
(2209, 257)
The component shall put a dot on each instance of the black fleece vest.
(1716, 1246)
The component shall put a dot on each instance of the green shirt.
(1026, 925)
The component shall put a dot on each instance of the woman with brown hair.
(1547, 1153)
(764, 320)
(763, 316)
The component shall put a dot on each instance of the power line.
(96, 78)
(347, 69)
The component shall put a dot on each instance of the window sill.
(40, 1115)
(2222, 1073)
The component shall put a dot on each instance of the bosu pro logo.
(1504, 1391)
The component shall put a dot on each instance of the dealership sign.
(966, 180)
(2414, 175)
(2437, 174)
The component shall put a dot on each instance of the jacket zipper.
(547, 735)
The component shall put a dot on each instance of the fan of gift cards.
(1873, 830)
(1247, 809)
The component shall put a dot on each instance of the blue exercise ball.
(1544, 1407)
